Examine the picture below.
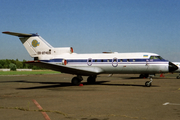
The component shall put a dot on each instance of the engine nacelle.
(57, 51)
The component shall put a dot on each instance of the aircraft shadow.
(129, 85)
(54, 84)
(67, 84)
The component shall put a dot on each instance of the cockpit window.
(152, 57)
(156, 57)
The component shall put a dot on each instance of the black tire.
(75, 81)
(147, 84)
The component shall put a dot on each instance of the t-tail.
(38, 48)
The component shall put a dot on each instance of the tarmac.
(120, 97)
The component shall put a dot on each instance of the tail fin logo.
(35, 43)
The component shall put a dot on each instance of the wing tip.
(6, 32)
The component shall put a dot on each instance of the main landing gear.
(77, 80)
(148, 83)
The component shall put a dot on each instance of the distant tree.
(1, 66)
(19, 64)
(24, 64)
(12, 61)
(1, 63)
(12, 66)
(5, 63)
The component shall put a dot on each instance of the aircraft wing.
(86, 71)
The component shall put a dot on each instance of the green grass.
(34, 72)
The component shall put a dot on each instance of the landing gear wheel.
(91, 79)
(178, 77)
(75, 81)
(147, 83)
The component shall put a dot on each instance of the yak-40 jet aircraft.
(64, 60)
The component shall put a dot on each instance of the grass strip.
(34, 72)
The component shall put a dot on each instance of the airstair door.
(114, 62)
(89, 61)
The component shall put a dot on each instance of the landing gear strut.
(148, 83)
(76, 80)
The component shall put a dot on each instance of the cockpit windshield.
(156, 58)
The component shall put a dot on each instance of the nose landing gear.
(148, 83)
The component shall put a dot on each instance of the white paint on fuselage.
(108, 66)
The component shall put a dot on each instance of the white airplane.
(64, 60)
(178, 70)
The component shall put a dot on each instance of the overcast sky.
(93, 26)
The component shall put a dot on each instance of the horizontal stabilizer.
(19, 34)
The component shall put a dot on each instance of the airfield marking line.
(40, 108)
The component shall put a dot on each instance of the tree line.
(16, 64)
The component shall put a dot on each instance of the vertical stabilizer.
(38, 48)
(34, 44)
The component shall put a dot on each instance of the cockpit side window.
(152, 57)
(156, 57)
(161, 58)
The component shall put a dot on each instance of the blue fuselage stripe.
(107, 61)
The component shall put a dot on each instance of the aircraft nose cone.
(172, 67)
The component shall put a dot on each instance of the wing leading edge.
(85, 71)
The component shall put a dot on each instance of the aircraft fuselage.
(115, 63)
